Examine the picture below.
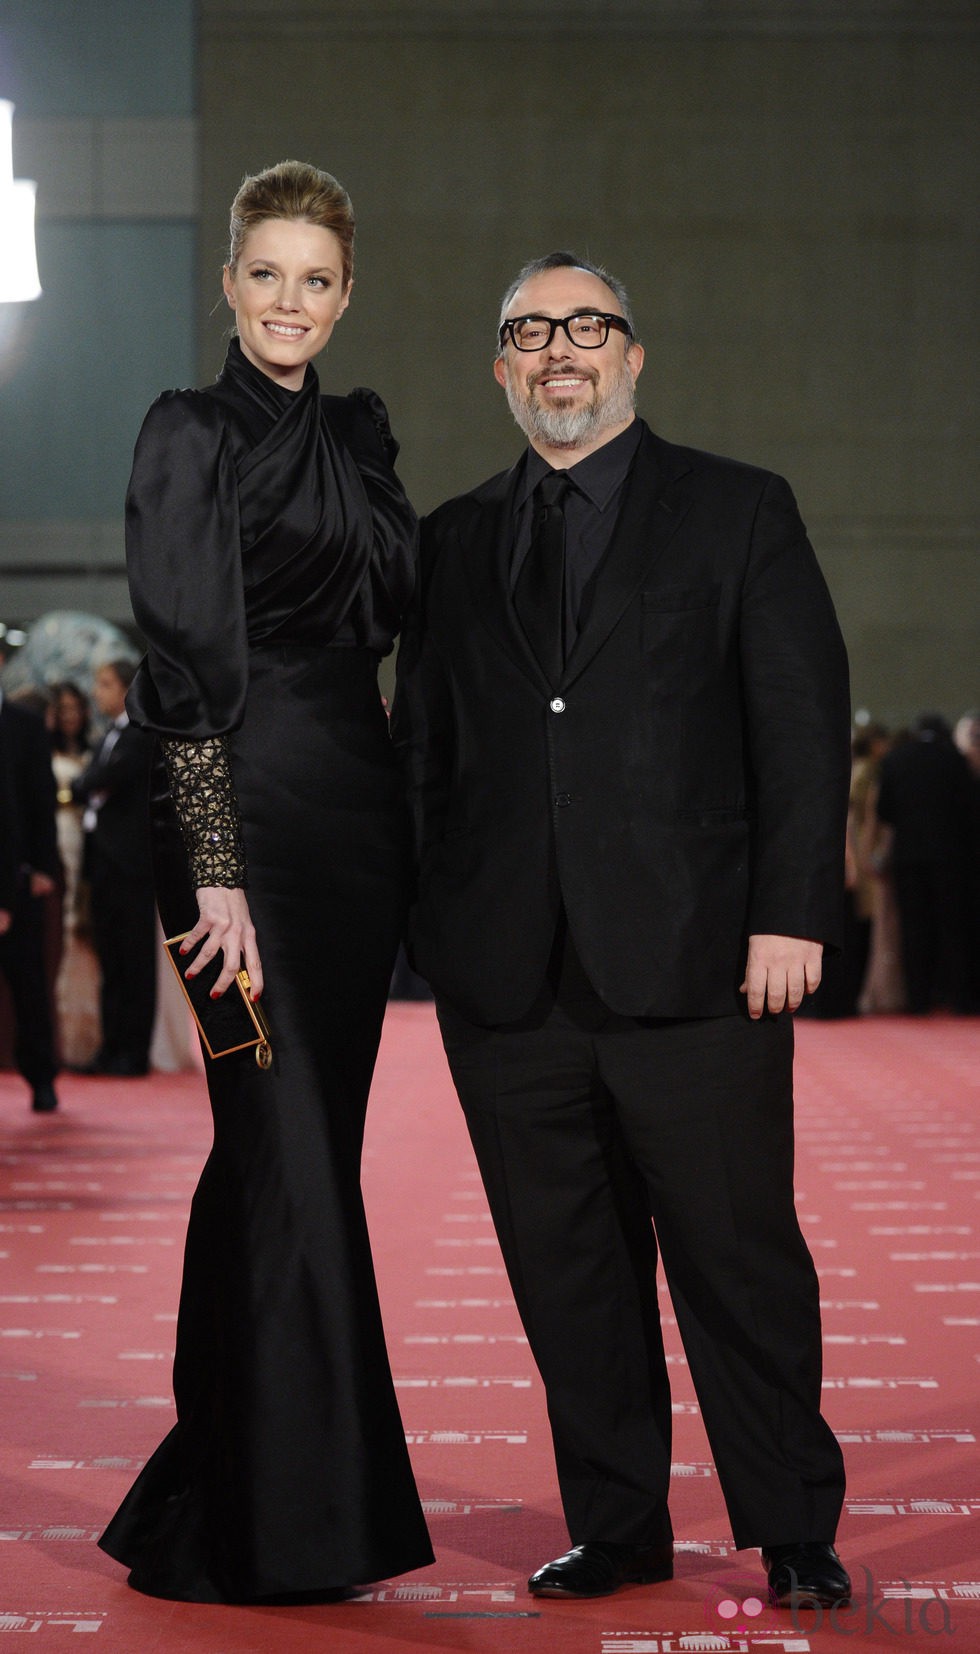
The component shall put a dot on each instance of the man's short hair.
(568, 261)
(124, 669)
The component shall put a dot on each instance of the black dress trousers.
(22, 962)
(585, 1124)
(124, 924)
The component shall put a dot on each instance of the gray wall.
(789, 187)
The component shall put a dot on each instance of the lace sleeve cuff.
(204, 797)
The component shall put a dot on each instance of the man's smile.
(558, 380)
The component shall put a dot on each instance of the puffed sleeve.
(373, 406)
(395, 525)
(185, 575)
(185, 580)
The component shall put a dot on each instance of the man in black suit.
(115, 791)
(28, 873)
(623, 706)
(925, 795)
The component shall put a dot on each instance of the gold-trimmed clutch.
(232, 1023)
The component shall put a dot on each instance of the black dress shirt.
(591, 510)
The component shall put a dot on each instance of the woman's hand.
(226, 925)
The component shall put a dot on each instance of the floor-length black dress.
(270, 549)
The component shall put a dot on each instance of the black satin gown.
(271, 551)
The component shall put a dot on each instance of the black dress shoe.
(44, 1100)
(805, 1574)
(596, 1569)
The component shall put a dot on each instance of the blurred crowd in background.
(912, 872)
(80, 947)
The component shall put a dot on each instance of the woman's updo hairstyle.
(293, 189)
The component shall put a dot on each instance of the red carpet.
(92, 1207)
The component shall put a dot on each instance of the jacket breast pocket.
(681, 599)
(677, 619)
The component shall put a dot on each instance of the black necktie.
(539, 594)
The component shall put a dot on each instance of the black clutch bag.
(231, 1023)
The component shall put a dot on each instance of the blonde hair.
(293, 189)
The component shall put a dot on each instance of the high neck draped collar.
(273, 398)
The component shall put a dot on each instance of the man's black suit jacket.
(121, 832)
(28, 836)
(683, 785)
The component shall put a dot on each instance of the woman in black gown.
(270, 549)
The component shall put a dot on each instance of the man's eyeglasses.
(587, 329)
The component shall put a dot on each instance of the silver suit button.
(557, 705)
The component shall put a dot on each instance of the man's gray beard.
(573, 427)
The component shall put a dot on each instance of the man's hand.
(779, 971)
(41, 884)
(226, 924)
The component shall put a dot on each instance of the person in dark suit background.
(966, 738)
(623, 706)
(925, 795)
(29, 870)
(115, 791)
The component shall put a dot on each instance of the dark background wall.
(788, 187)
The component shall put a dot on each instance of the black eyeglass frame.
(554, 322)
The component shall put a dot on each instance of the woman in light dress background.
(77, 982)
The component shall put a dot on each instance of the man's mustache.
(557, 370)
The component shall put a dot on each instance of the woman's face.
(69, 715)
(287, 292)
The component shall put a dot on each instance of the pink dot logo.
(751, 1608)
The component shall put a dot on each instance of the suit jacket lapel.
(487, 539)
(656, 500)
